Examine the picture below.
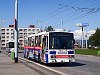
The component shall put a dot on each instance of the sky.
(56, 13)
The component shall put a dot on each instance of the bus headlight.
(53, 56)
(71, 56)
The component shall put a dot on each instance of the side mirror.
(74, 41)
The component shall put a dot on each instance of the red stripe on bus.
(37, 48)
(62, 56)
(40, 48)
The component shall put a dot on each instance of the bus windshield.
(61, 41)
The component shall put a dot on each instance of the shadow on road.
(69, 64)
(65, 64)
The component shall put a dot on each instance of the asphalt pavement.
(85, 65)
(8, 67)
(23, 67)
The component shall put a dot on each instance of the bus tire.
(24, 55)
(27, 55)
(39, 59)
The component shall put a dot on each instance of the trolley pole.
(16, 31)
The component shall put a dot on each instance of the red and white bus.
(50, 47)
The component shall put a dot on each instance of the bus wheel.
(24, 56)
(27, 55)
(39, 59)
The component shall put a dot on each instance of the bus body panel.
(61, 56)
(56, 47)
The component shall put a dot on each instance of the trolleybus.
(50, 47)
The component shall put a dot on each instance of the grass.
(87, 51)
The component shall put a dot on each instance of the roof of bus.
(45, 33)
(41, 33)
(10, 41)
(32, 35)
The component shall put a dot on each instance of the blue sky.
(43, 13)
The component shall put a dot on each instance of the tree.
(95, 38)
(49, 28)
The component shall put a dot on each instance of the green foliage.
(87, 52)
(49, 28)
(95, 38)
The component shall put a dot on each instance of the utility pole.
(86, 39)
(82, 25)
(0, 34)
(82, 36)
(16, 31)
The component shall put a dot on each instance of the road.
(84, 65)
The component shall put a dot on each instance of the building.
(8, 34)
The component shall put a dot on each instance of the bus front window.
(60, 42)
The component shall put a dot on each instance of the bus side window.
(36, 41)
(44, 39)
(44, 42)
(40, 42)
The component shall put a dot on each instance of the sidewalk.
(8, 67)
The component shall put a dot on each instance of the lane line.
(61, 73)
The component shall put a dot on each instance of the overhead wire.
(69, 9)
(53, 12)
(82, 10)
(85, 14)
(74, 14)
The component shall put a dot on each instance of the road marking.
(61, 73)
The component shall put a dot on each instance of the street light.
(82, 25)
(16, 31)
(0, 35)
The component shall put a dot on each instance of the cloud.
(78, 34)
